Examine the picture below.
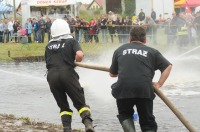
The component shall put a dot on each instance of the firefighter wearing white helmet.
(60, 54)
(60, 27)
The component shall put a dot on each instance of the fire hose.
(156, 90)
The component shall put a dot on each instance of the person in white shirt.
(10, 28)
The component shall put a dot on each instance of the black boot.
(127, 123)
(87, 121)
(88, 125)
(67, 129)
(66, 121)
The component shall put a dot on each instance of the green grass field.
(35, 49)
(90, 49)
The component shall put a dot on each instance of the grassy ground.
(90, 49)
(16, 50)
(10, 123)
(35, 49)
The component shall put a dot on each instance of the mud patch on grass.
(10, 123)
(29, 59)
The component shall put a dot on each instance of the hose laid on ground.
(157, 91)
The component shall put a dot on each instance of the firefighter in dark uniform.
(60, 54)
(134, 64)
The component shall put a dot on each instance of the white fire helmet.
(59, 27)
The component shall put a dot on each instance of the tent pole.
(4, 16)
(14, 10)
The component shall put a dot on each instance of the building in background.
(163, 7)
(96, 5)
(114, 6)
(47, 8)
(5, 9)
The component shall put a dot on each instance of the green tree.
(130, 7)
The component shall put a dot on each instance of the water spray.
(157, 91)
(194, 49)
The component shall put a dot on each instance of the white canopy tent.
(51, 2)
(197, 9)
(46, 8)
(5, 9)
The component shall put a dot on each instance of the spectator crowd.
(181, 29)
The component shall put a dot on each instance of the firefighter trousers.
(63, 82)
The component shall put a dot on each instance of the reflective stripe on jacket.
(183, 30)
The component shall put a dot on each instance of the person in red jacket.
(91, 30)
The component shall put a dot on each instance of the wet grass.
(27, 120)
(9, 122)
